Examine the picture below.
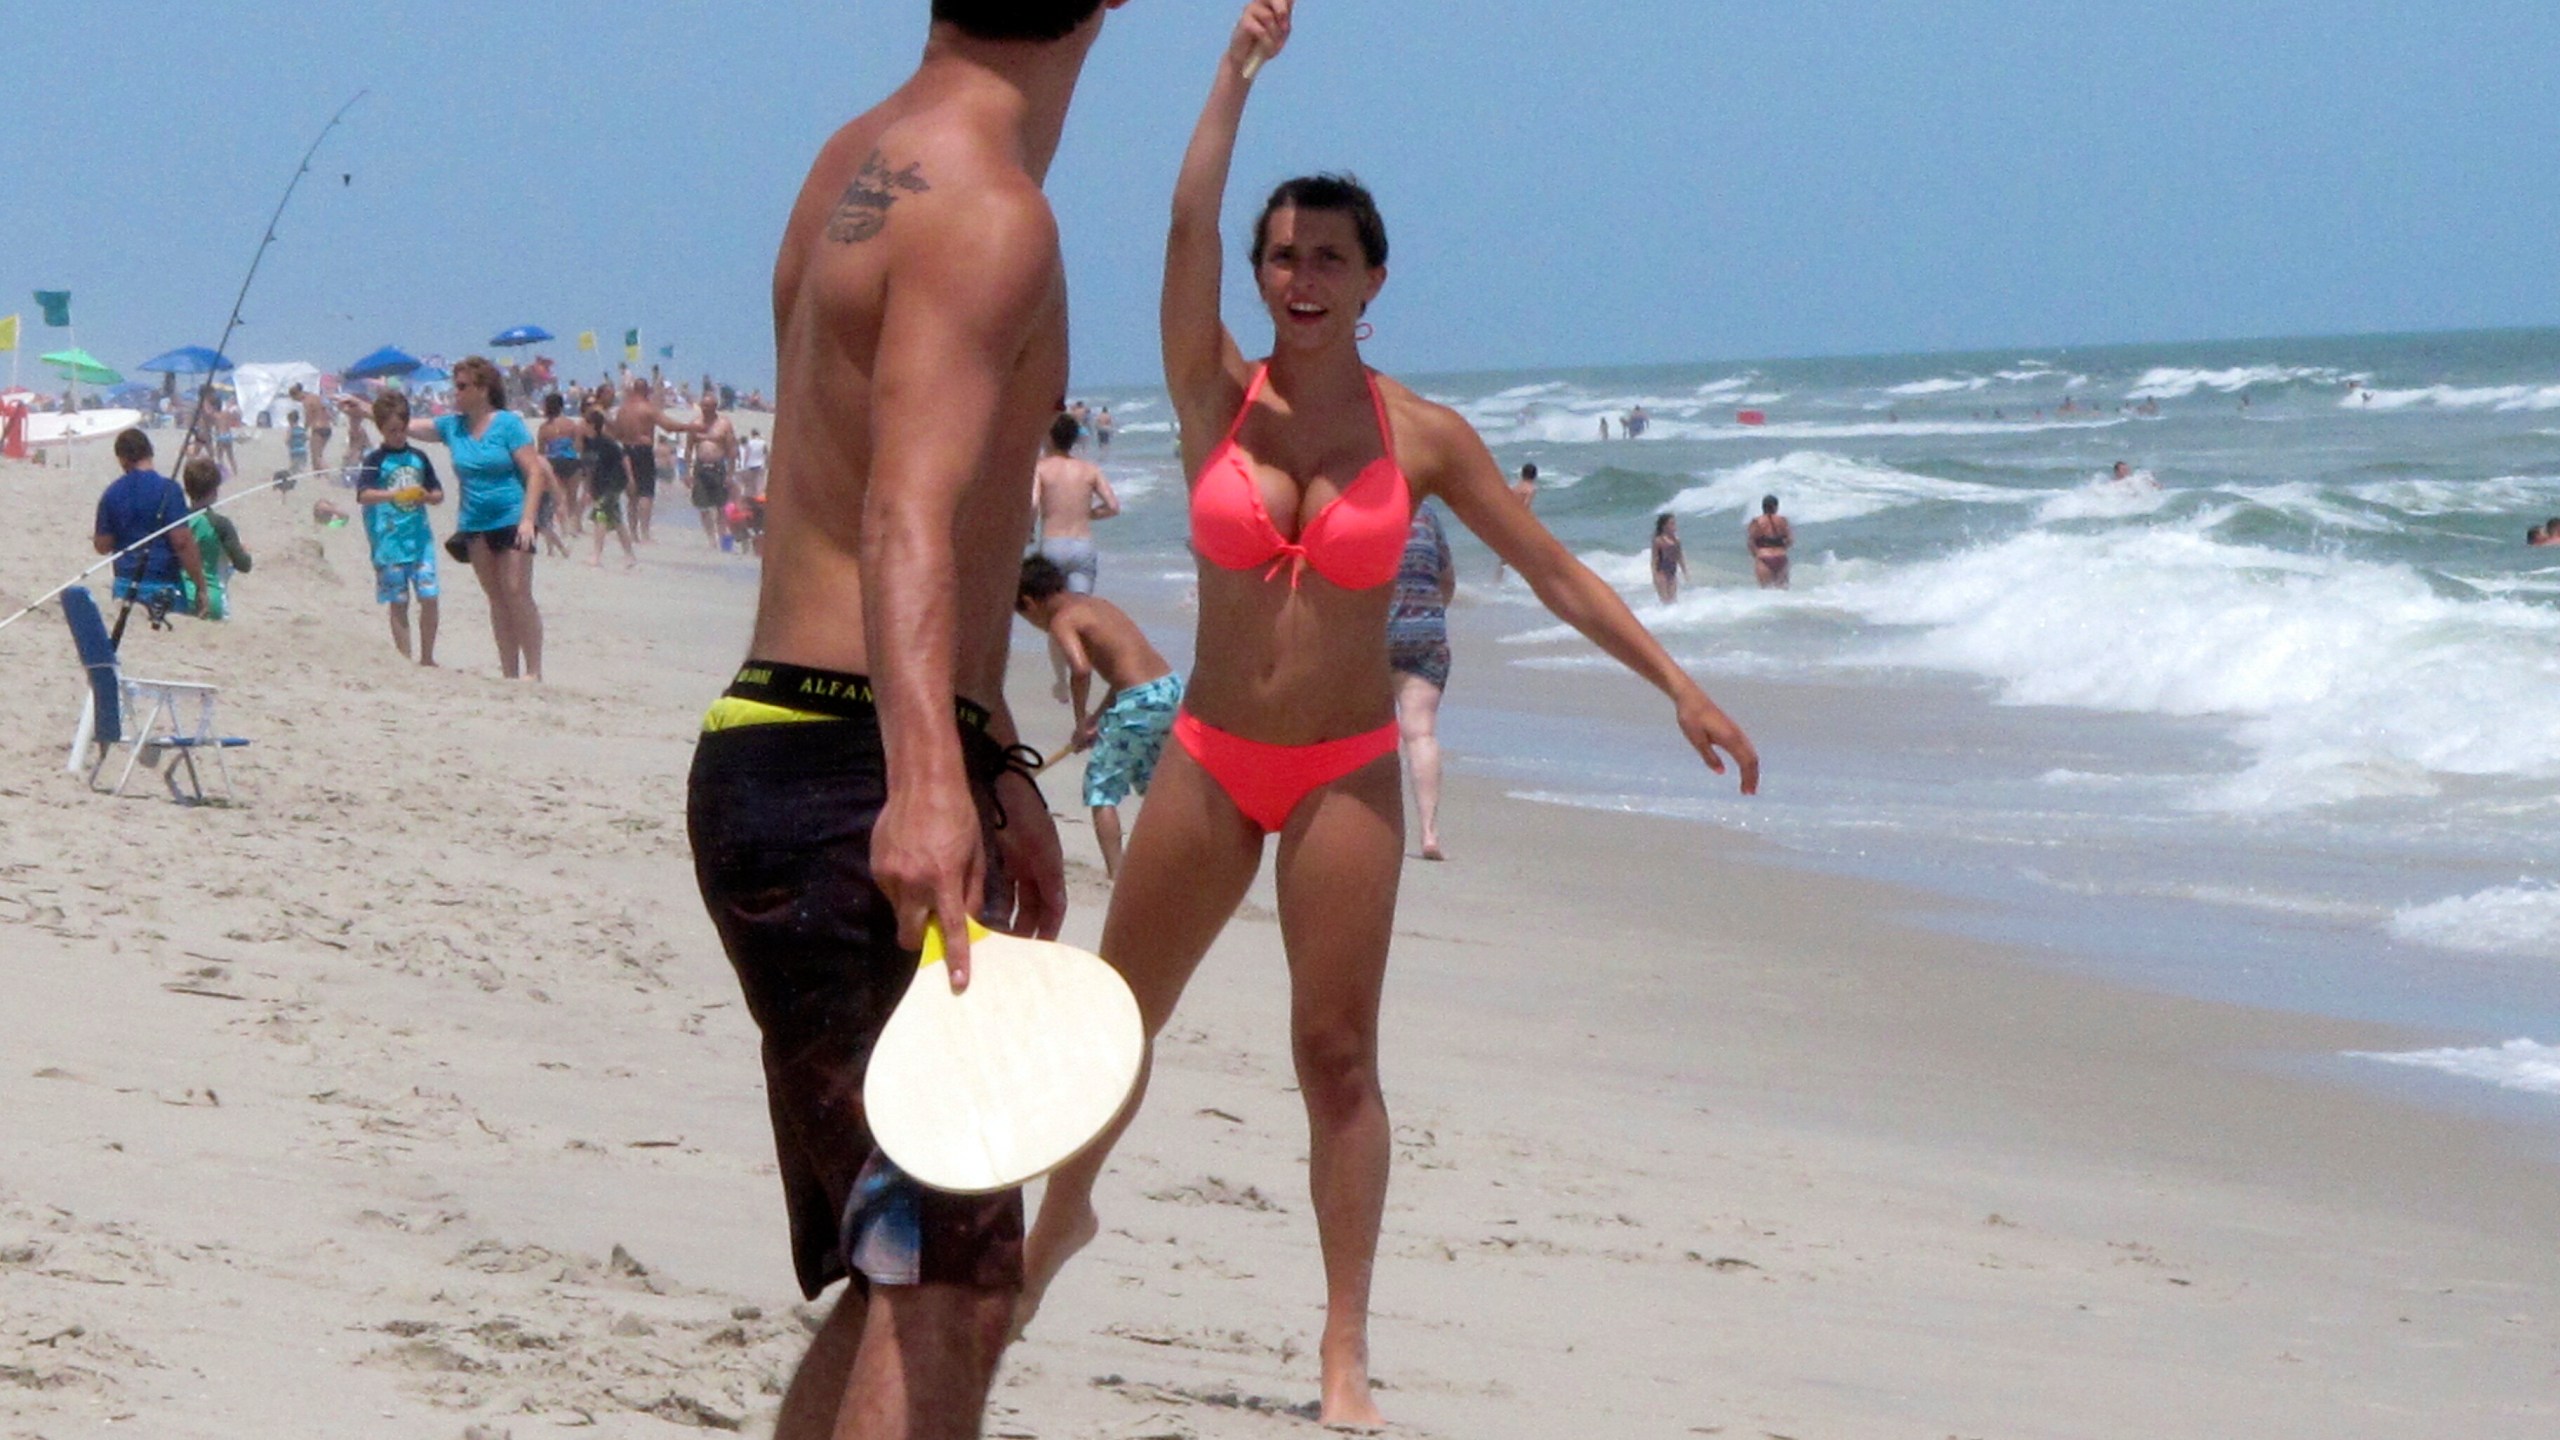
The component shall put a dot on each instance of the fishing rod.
(282, 482)
(204, 392)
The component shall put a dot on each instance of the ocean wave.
(2106, 498)
(2346, 678)
(2512, 920)
(2516, 1065)
(2172, 383)
(2461, 497)
(1816, 487)
(2456, 397)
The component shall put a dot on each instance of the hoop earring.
(1365, 333)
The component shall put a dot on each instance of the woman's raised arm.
(1199, 353)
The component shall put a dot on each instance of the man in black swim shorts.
(832, 815)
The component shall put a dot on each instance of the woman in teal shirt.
(503, 477)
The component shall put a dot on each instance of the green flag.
(57, 307)
(631, 346)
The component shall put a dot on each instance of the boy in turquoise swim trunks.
(395, 486)
(1127, 734)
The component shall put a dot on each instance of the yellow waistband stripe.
(731, 713)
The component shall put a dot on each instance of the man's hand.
(1708, 729)
(1033, 860)
(926, 858)
(1087, 731)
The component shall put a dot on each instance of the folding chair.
(138, 714)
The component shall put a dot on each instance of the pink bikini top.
(1356, 541)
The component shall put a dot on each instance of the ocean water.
(2276, 721)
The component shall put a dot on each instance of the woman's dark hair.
(1768, 504)
(1341, 194)
(1041, 580)
(1016, 19)
(553, 405)
(1662, 523)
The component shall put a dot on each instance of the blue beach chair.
(138, 714)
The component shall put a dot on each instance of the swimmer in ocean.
(1769, 537)
(1670, 563)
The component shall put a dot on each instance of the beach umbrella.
(130, 390)
(186, 360)
(521, 335)
(83, 367)
(430, 375)
(389, 360)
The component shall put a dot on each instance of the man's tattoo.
(864, 210)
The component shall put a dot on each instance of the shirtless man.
(1070, 495)
(635, 426)
(1769, 538)
(855, 781)
(315, 418)
(1127, 731)
(715, 453)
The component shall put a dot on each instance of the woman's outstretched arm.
(1200, 355)
(1461, 471)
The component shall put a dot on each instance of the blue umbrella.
(389, 360)
(431, 375)
(522, 335)
(130, 390)
(186, 360)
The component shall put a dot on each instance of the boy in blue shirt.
(143, 502)
(396, 486)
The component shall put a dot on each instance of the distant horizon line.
(2009, 350)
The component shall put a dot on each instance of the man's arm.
(1106, 502)
(974, 277)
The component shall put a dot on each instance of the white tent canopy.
(261, 389)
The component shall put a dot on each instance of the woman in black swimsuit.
(1670, 562)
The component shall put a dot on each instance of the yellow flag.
(8, 332)
(587, 340)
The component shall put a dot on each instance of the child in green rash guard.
(217, 539)
(395, 486)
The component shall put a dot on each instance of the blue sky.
(1597, 182)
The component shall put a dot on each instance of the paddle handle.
(935, 951)
(1253, 66)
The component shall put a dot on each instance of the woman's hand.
(1260, 36)
(1708, 729)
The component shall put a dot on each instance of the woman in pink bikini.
(1306, 469)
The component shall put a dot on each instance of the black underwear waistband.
(829, 692)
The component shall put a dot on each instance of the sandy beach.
(410, 1095)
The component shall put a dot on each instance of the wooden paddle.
(982, 1091)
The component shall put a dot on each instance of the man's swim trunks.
(788, 782)
(643, 461)
(1129, 740)
(710, 484)
(1077, 559)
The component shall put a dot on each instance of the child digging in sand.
(396, 486)
(1126, 733)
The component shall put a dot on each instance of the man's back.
(133, 505)
(922, 189)
(1067, 488)
(1117, 649)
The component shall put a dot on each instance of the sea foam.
(1816, 487)
(2516, 1065)
(2348, 678)
(2511, 920)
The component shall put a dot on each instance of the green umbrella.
(82, 366)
